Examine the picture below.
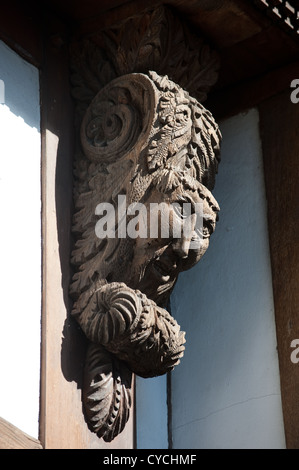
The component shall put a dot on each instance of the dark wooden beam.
(279, 133)
(250, 93)
(21, 29)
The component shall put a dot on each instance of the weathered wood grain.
(62, 423)
(12, 437)
(144, 138)
(279, 119)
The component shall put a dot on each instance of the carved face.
(157, 261)
(146, 138)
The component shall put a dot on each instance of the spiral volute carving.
(134, 329)
(111, 312)
(118, 119)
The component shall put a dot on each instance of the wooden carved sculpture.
(143, 140)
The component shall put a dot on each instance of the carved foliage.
(140, 135)
(106, 392)
(159, 40)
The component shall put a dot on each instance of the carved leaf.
(135, 46)
(106, 392)
(159, 40)
(91, 70)
(156, 345)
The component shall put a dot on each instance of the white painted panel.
(226, 391)
(20, 241)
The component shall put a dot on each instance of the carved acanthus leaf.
(91, 71)
(106, 392)
(159, 40)
(156, 345)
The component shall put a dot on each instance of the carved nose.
(181, 247)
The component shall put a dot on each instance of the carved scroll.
(143, 140)
(117, 119)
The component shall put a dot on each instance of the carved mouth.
(163, 270)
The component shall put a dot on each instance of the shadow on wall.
(59, 112)
(73, 344)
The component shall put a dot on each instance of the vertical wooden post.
(279, 119)
(62, 423)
